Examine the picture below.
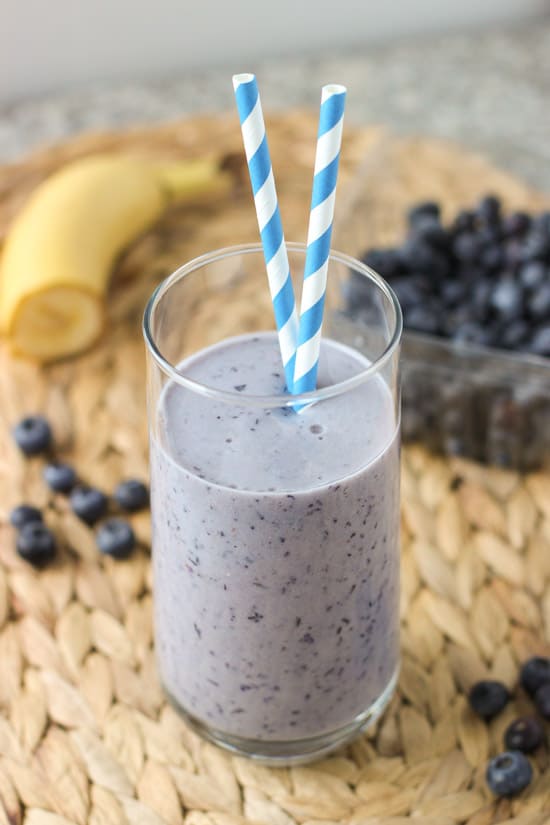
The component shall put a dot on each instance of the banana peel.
(59, 253)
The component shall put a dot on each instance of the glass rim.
(283, 399)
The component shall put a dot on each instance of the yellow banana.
(58, 255)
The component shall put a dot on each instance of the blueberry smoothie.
(275, 545)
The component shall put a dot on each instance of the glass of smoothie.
(275, 532)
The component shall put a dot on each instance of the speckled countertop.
(488, 90)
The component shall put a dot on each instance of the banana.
(59, 252)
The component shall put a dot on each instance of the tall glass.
(275, 532)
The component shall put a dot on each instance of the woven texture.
(85, 733)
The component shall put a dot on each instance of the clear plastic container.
(486, 404)
(489, 405)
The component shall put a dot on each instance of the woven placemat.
(86, 735)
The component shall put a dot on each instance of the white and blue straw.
(329, 140)
(269, 218)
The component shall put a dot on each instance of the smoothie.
(275, 545)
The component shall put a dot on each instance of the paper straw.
(269, 218)
(327, 156)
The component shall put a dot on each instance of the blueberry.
(540, 341)
(534, 673)
(35, 543)
(492, 257)
(489, 236)
(487, 698)
(428, 230)
(464, 222)
(408, 293)
(60, 477)
(415, 255)
(24, 514)
(422, 318)
(466, 247)
(472, 332)
(514, 334)
(542, 700)
(425, 209)
(507, 299)
(524, 734)
(88, 503)
(513, 254)
(384, 261)
(481, 296)
(356, 291)
(539, 302)
(542, 223)
(533, 274)
(33, 435)
(452, 292)
(488, 209)
(508, 773)
(131, 495)
(116, 538)
(517, 224)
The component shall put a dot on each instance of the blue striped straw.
(269, 218)
(327, 156)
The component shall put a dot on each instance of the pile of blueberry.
(483, 279)
(35, 541)
(510, 772)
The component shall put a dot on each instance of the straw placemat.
(85, 733)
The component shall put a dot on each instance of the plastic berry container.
(484, 403)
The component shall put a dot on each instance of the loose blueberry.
(35, 543)
(509, 773)
(525, 734)
(542, 700)
(534, 673)
(24, 514)
(131, 495)
(88, 503)
(33, 435)
(115, 537)
(60, 477)
(487, 698)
